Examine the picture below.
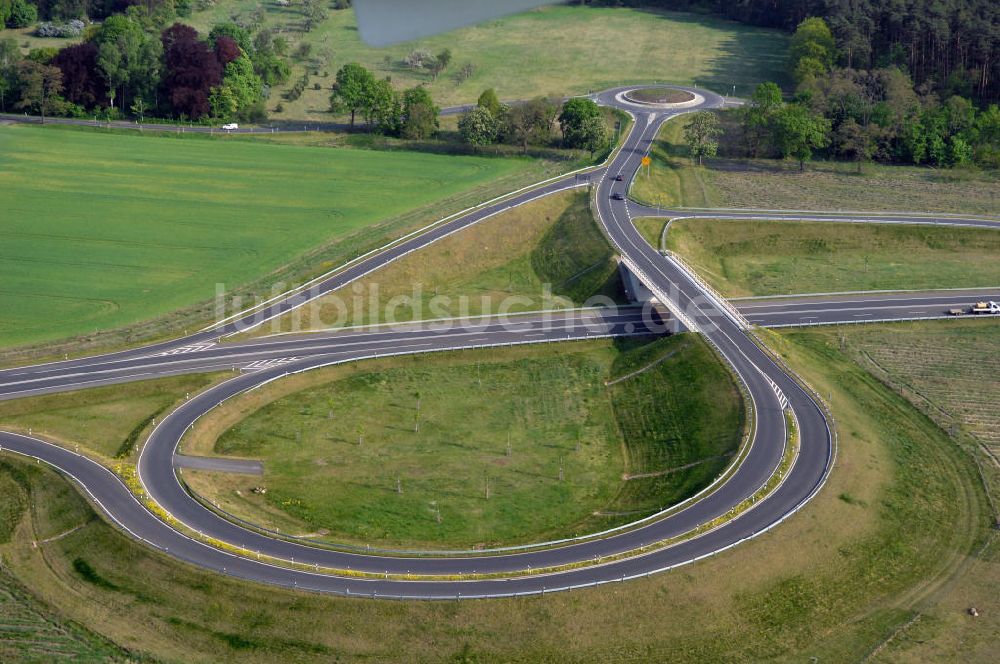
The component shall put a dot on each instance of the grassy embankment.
(105, 422)
(399, 452)
(769, 184)
(547, 254)
(902, 514)
(107, 231)
(741, 258)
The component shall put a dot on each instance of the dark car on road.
(618, 178)
(618, 196)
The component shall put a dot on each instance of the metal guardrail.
(862, 321)
(726, 306)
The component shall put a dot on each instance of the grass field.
(400, 453)
(104, 231)
(741, 258)
(769, 184)
(547, 254)
(543, 52)
(896, 533)
(106, 421)
(951, 373)
(651, 229)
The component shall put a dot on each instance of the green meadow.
(743, 258)
(105, 230)
(479, 447)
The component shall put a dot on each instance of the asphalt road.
(841, 308)
(773, 393)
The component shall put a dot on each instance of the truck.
(990, 307)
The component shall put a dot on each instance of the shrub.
(73, 28)
(419, 58)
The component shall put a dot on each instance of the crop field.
(548, 254)
(887, 558)
(486, 447)
(743, 258)
(675, 180)
(102, 231)
(543, 52)
(952, 372)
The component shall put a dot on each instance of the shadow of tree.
(749, 56)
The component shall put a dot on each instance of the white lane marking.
(191, 348)
(782, 399)
(260, 365)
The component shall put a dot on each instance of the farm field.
(103, 231)
(676, 181)
(743, 258)
(951, 373)
(386, 452)
(542, 52)
(547, 254)
(900, 532)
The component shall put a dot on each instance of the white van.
(232, 126)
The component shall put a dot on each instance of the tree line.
(408, 114)
(862, 115)
(362, 96)
(581, 123)
(131, 65)
(949, 47)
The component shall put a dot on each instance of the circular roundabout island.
(660, 96)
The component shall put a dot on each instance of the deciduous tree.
(490, 102)
(351, 89)
(797, 132)
(39, 87)
(479, 127)
(574, 118)
(701, 135)
(420, 115)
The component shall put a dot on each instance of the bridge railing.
(733, 312)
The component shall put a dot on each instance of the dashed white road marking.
(260, 365)
(191, 348)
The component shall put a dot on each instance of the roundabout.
(788, 457)
(665, 98)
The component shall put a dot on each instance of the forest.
(948, 46)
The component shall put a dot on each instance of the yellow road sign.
(646, 161)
